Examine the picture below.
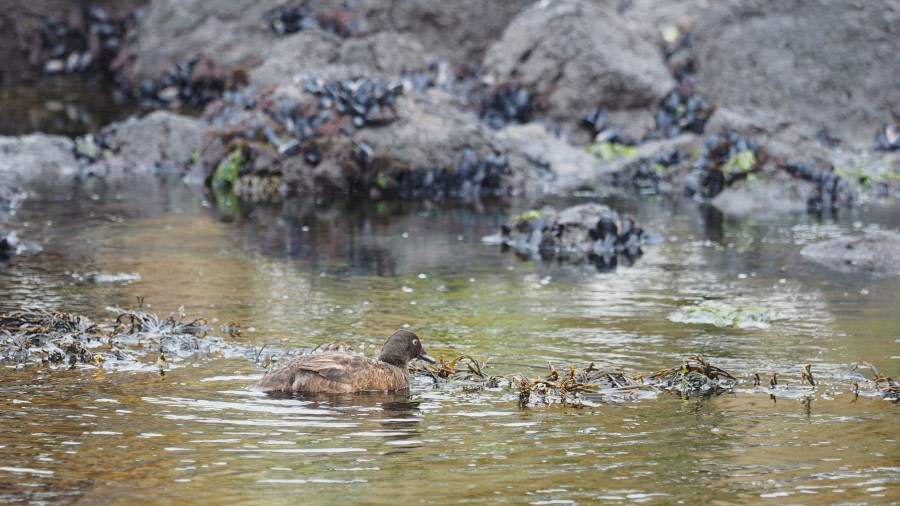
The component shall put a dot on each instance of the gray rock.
(572, 168)
(431, 131)
(380, 55)
(810, 63)
(159, 142)
(459, 31)
(36, 156)
(767, 196)
(233, 34)
(875, 252)
(581, 57)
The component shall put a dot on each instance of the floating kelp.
(36, 335)
(48, 336)
(879, 386)
(693, 377)
(576, 386)
(722, 315)
(586, 231)
(473, 372)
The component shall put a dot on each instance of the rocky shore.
(754, 108)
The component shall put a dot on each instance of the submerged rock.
(587, 231)
(875, 252)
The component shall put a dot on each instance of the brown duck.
(336, 372)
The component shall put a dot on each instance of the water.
(298, 274)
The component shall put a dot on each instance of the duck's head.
(402, 347)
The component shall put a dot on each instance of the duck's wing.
(319, 372)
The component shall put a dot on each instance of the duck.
(340, 372)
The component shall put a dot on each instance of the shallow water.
(299, 274)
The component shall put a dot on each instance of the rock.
(809, 63)
(767, 196)
(875, 252)
(431, 131)
(234, 34)
(238, 35)
(380, 55)
(459, 31)
(586, 231)
(37, 156)
(301, 51)
(579, 57)
(161, 142)
(567, 168)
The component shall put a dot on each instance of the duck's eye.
(415, 341)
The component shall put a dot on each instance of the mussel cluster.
(832, 191)
(595, 122)
(723, 160)
(888, 137)
(473, 178)
(89, 41)
(586, 231)
(506, 103)
(190, 84)
(286, 20)
(367, 102)
(498, 105)
(683, 110)
(645, 175)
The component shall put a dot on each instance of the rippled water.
(299, 274)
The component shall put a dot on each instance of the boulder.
(818, 65)
(764, 197)
(565, 167)
(161, 142)
(578, 57)
(233, 33)
(459, 31)
(37, 156)
(875, 252)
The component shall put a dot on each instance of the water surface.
(301, 273)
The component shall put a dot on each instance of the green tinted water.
(300, 274)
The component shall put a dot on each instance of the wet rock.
(818, 65)
(161, 142)
(576, 56)
(584, 232)
(36, 156)
(562, 167)
(875, 252)
(766, 196)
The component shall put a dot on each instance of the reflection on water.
(298, 274)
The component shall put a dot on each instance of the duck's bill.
(424, 356)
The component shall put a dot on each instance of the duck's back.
(334, 372)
